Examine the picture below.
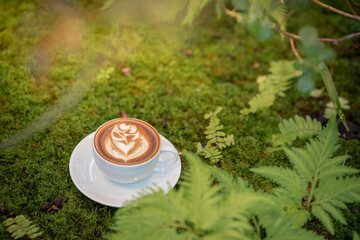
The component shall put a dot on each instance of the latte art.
(125, 142)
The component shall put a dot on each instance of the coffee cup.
(127, 150)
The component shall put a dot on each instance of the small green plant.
(319, 182)
(297, 127)
(272, 85)
(104, 74)
(217, 140)
(20, 227)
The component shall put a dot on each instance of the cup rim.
(123, 165)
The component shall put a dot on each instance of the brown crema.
(127, 141)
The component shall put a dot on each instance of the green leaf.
(356, 236)
(305, 83)
(330, 87)
(241, 5)
(308, 36)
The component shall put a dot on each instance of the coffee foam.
(127, 141)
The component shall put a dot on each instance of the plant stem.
(351, 8)
(286, 17)
(337, 10)
(293, 48)
(257, 227)
(337, 41)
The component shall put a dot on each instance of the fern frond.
(333, 211)
(343, 189)
(279, 227)
(303, 163)
(272, 85)
(196, 183)
(278, 14)
(259, 102)
(294, 128)
(217, 139)
(319, 182)
(20, 226)
(287, 178)
(324, 217)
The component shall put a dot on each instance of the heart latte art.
(127, 141)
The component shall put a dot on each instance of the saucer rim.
(170, 184)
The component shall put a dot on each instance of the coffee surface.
(127, 141)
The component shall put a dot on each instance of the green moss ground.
(166, 86)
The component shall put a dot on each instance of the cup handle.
(164, 162)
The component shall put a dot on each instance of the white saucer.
(92, 183)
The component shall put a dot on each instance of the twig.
(293, 48)
(351, 8)
(286, 17)
(331, 40)
(231, 13)
(336, 10)
(355, 3)
(337, 41)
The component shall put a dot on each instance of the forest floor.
(82, 71)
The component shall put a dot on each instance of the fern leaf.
(343, 189)
(302, 162)
(320, 213)
(337, 171)
(20, 226)
(272, 85)
(260, 101)
(197, 182)
(336, 213)
(294, 128)
(278, 14)
(278, 227)
(287, 178)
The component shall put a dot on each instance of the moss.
(166, 86)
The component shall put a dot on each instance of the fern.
(294, 128)
(200, 209)
(216, 139)
(319, 182)
(20, 226)
(272, 85)
(197, 209)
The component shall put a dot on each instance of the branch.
(337, 41)
(355, 3)
(231, 13)
(286, 17)
(351, 8)
(337, 10)
(331, 40)
(293, 48)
